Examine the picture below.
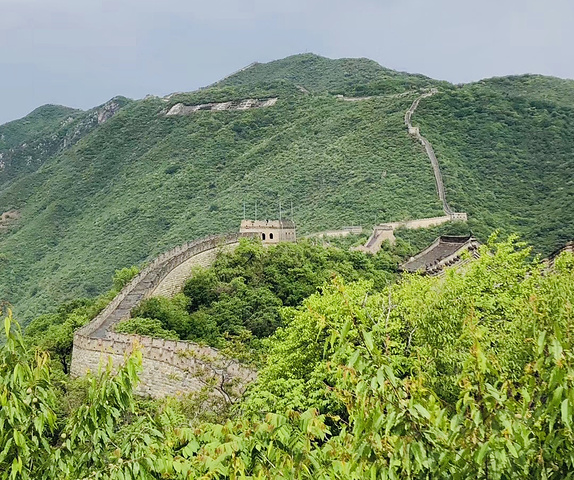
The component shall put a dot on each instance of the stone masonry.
(270, 231)
(415, 132)
(385, 231)
(169, 367)
(175, 279)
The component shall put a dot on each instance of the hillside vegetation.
(534, 87)
(27, 143)
(464, 376)
(506, 148)
(41, 121)
(115, 194)
(349, 76)
(243, 293)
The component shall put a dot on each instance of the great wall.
(385, 231)
(169, 367)
(173, 367)
(177, 367)
(415, 131)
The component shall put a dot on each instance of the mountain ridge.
(231, 79)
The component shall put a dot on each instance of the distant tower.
(271, 231)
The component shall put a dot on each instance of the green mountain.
(506, 147)
(40, 122)
(119, 184)
(319, 74)
(27, 143)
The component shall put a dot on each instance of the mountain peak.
(311, 71)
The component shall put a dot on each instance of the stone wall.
(569, 247)
(270, 231)
(456, 216)
(169, 367)
(424, 222)
(385, 231)
(415, 132)
(343, 232)
(173, 282)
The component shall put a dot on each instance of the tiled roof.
(435, 257)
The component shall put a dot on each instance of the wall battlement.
(169, 367)
(385, 231)
(270, 231)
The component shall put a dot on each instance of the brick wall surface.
(168, 367)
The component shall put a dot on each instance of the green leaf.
(368, 336)
(512, 448)
(565, 411)
(422, 410)
(482, 451)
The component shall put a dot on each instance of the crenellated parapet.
(169, 367)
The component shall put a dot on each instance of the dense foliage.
(40, 121)
(350, 76)
(27, 143)
(534, 87)
(246, 289)
(142, 182)
(463, 376)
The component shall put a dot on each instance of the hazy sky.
(81, 53)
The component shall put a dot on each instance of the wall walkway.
(414, 131)
(169, 367)
(385, 231)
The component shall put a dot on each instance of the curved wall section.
(169, 367)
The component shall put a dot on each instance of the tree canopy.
(468, 375)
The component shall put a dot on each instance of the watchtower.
(271, 231)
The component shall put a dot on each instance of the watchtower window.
(262, 236)
(270, 236)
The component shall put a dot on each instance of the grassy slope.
(142, 182)
(508, 158)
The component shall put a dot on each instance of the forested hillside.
(506, 148)
(464, 376)
(348, 76)
(41, 121)
(95, 196)
(27, 143)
